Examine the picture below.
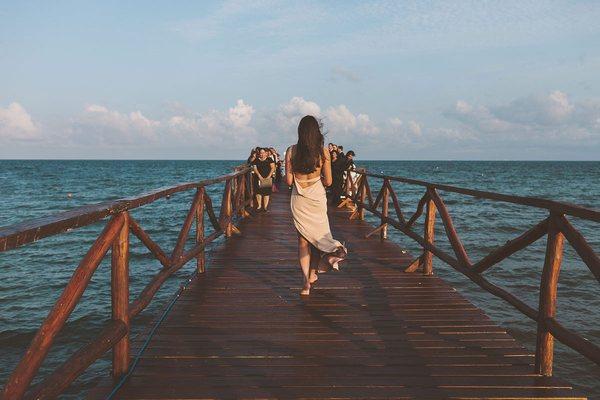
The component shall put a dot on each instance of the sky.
(399, 80)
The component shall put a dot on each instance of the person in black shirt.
(350, 161)
(263, 167)
(338, 165)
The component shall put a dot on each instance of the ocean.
(32, 277)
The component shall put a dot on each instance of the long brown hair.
(307, 155)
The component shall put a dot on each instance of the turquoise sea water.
(33, 276)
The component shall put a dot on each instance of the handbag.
(265, 183)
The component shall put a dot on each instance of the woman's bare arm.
(327, 178)
(257, 173)
(272, 169)
(289, 173)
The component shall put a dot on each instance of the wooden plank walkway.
(369, 331)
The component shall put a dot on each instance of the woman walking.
(263, 167)
(308, 168)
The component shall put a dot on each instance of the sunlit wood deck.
(370, 331)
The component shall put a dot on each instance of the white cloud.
(405, 133)
(550, 109)
(98, 124)
(289, 114)
(237, 118)
(478, 117)
(181, 124)
(215, 127)
(241, 115)
(297, 106)
(339, 119)
(101, 125)
(548, 120)
(365, 125)
(549, 117)
(415, 128)
(17, 124)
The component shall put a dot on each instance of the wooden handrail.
(556, 227)
(34, 229)
(551, 205)
(116, 235)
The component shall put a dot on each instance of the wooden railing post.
(544, 350)
(250, 186)
(23, 374)
(120, 296)
(362, 198)
(427, 258)
(225, 215)
(237, 199)
(201, 258)
(384, 210)
(243, 196)
(238, 195)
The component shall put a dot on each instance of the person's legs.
(336, 192)
(304, 260)
(315, 257)
(266, 200)
(258, 201)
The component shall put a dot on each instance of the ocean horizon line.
(241, 159)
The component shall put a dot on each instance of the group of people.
(310, 168)
(266, 166)
(267, 173)
(341, 165)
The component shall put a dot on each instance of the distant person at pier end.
(308, 169)
(264, 168)
(337, 172)
(277, 159)
(350, 161)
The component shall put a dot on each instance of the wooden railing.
(555, 226)
(237, 195)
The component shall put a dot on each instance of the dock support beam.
(384, 210)
(544, 350)
(120, 296)
(225, 215)
(201, 258)
(363, 197)
(427, 258)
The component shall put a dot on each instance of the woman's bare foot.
(305, 290)
(313, 276)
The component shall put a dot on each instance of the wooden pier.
(382, 327)
(370, 331)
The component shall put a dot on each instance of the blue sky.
(392, 80)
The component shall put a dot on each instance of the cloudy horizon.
(391, 80)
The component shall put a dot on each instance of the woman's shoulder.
(289, 151)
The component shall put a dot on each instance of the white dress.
(309, 211)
